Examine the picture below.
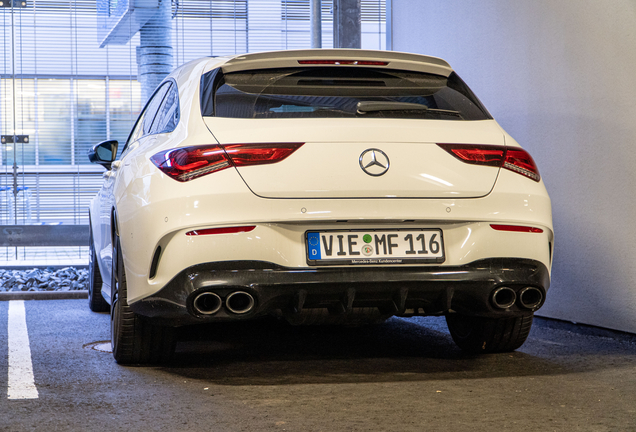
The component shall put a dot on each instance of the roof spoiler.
(340, 57)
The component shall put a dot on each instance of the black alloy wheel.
(96, 301)
(488, 335)
(135, 340)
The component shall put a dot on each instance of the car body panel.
(290, 58)
(150, 210)
(285, 220)
(328, 164)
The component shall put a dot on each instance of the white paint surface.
(559, 77)
(21, 381)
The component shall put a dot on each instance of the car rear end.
(339, 184)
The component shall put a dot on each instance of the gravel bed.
(44, 279)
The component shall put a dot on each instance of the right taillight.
(188, 163)
(520, 161)
(511, 158)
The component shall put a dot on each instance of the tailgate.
(372, 158)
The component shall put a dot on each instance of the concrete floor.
(404, 375)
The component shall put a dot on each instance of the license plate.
(375, 247)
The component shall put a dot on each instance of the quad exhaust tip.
(504, 297)
(239, 302)
(530, 297)
(207, 303)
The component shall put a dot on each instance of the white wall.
(559, 76)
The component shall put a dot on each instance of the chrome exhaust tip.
(207, 303)
(530, 297)
(239, 302)
(504, 297)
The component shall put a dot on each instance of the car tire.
(488, 335)
(134, 339)
(96, 301)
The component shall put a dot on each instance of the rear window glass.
(318, 92)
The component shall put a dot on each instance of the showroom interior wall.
(559, 77)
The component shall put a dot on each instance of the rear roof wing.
(291, 58)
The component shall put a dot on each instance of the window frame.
(471, 110)
(130, 140)
(154, 129)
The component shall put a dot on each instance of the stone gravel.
(44, 279)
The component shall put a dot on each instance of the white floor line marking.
(21, 382)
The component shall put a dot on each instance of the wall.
(561, 78)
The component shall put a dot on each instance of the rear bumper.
(416, 290)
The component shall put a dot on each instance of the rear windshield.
(328, 92)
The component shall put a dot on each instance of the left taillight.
(511, 158)
(187, 163)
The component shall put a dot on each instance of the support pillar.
(347, 24)
(315, 15)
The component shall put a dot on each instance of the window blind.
(65, 93)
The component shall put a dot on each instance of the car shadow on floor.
(270, 352)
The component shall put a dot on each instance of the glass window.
(168, 114)
(124, 106)
(54, 121)
(344, 92)
(138, 131)
(25, 121)
(90, 119)
(152, 108)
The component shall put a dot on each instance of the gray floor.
(405, 375)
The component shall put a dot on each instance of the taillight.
(511, 158)
(476, 154)
(259, 154)
(187, 163)
(520, 161)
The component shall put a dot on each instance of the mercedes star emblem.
(374, 162)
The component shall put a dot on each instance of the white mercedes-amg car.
(323, 187)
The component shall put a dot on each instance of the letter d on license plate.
(375, 247)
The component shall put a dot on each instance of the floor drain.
(101, 346)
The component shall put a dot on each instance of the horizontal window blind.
(51, 195)
(59, 88)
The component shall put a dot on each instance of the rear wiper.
(364, 107)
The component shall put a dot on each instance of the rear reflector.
(187, 163)
(516, 228)
(343, 62)
(226, 230)
(511, 158)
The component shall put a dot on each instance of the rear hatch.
(328, 164)
(368, 132)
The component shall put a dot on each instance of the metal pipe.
(504, 297)
(239, 302)
(530, 297)
(207, 303)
